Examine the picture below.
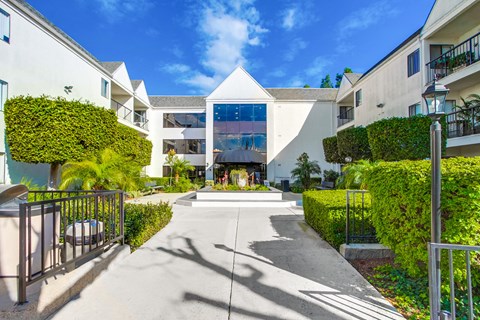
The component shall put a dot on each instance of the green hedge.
(46, 130)
(353, 142)
(143, 221)
(396, 139)
(401, 207)
(325, 212)
(330, 149)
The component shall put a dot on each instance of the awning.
(240, 156)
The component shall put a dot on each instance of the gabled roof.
(111, 66)
(177, 101)
(353, 77)
(318, 94)
(136, 83)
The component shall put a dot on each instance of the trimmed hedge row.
(46, 130)
(325, 212)
(353, 142)
(397, 139)
(331, 150)
(143, 221)
(401, 207)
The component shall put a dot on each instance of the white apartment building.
(39, 59)
(447, 47)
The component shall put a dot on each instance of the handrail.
(463, 54)
(463, 122)
(122, 111)
(140, 120)
(346, 116)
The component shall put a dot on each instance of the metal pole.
(22, 268)
(436, 223)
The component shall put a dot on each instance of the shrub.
(353, 142)
(209, 183)
(401, 207)
(330, 175)
(129, 144)
(142, 221)
(397, 139)
(160, 181)
(325, 212)
(330, 150)
(181, 186)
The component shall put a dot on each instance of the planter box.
(208, 194)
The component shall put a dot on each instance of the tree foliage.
(353, 143)
(304, 169)
(326, 82)
(339, 76)
(179, 167)
(330, 149)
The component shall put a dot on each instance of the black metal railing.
(464, 54)
(346, 116)
(63, 229)
(122, 111)
(140, 120)
(359, 226)
(463, 122)
(455, 253)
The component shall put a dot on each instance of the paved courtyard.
(231, 263)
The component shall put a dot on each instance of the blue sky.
(188, 47)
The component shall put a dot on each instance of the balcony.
(463, 122)
(125, 113)
(346, 115)
(464, 54)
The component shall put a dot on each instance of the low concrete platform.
(355, 251)
(46, 297)
(191, 200)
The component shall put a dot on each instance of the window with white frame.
(413, 62)
(3, 93)
(358, 98)
(4, 26)
(415, 109)
(104, 88)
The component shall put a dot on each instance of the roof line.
(416, 33)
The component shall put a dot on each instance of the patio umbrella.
(240, 156)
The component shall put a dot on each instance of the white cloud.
(298, 14)
(289, 19)
(295, 46)
(365, 17)
(317, 67)
(115, 10)
(227, 30)
(175, 68)
(278, 73)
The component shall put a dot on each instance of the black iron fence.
(462, 55)
(345, 116)
(59, 229)
(463, 122)
(359, 226)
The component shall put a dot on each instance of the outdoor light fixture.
(348, 159)
(435, 96)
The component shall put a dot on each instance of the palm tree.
(110, 171)
(179, 167)
(304, 169)
(354, 175)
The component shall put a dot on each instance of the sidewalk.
(232, 263)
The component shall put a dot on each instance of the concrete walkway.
(232, 263)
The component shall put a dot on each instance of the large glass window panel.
(260, 112)
(201, 120)
(188, 146)
(246, 112)
(260, 142)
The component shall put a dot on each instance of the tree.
(179, 167)
(306, 86)
(304, 169)
(326, 82)
(109, 171)
(339, 76)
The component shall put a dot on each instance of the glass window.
(184, 120)
(415, 109)
(105, 88)
(413, 62)
(450, 106)
(436, 50)
(4, 26)
(187, 146)
(3, 94)
(358, 98)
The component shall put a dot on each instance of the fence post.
(122, 216)
(432, 283)
(22, 263)
(347, 231)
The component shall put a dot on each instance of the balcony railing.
(345, 116)
(462, 55)
(140, 120)
(463, 122)
(122, 111)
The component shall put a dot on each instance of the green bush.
(142, 221)
(353, 142)
(160, 181)
(330, 149)
(129, 143)
(401, 207)
(397, 139)
(183, 185)
(325, 212)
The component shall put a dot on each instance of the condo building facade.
(279, 124)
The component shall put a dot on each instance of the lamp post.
(435, 96)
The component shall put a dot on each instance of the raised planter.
(208, 193)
